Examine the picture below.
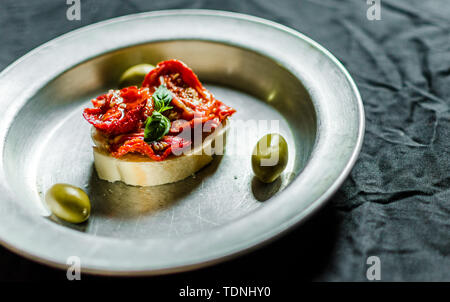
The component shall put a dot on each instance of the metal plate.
(264, 70)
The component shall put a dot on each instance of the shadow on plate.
(82, 227)
(263, 191)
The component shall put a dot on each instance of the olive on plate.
(134, 76)
(68, 203)
(270, 157)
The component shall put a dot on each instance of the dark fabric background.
(396, 202)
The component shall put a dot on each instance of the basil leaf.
(156, 127)
(162, 98)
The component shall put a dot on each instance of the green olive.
(134, 76)
(68, 202)
(270, 157)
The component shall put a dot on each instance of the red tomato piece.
(189, 95)
(121, 114)
(134, 144)
(118, 111)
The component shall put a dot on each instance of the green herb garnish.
(157, 125)
(162, 97)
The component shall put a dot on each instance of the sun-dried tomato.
(189, 94)
(136, 144)
(118, 111)
(121, 114)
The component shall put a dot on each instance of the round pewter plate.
(266, 71)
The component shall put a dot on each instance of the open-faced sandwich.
(158, 133)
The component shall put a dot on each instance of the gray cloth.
(396, 202)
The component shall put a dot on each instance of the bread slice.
(139, 170)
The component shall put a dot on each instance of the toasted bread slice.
(139, 170)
